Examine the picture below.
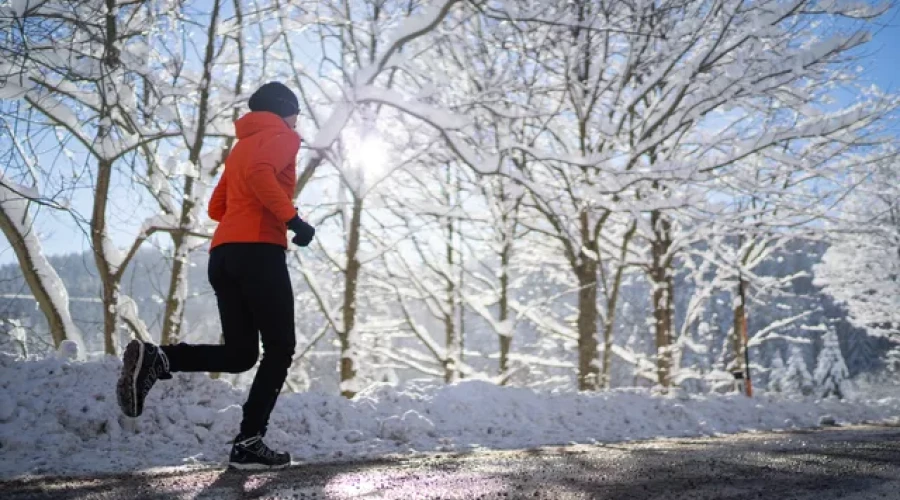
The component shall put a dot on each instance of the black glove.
(303, 232)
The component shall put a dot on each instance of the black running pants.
(255, 299)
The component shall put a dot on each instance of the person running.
(248, 272)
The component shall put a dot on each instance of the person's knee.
(242, 360)
(281, 352)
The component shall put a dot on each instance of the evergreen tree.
(776, 373)
(861, 351)
(797, 379)
(831, 371)
(892, 360)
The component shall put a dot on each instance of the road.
(847, 463)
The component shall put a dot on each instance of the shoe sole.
(239, 466)
(126, 388)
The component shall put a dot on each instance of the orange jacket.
(252, 201)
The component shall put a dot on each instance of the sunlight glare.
(368, 155)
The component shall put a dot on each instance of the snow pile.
(60, 416)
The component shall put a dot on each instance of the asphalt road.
(836, 463)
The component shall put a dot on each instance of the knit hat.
(275, 98)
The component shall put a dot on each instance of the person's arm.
(216, 209)
(273, 156)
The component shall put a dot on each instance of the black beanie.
(275, 98)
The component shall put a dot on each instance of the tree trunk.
(740, 334)
(235, 114)
(178, 284)
(351, 277)
(452, 347)
(461, 306)
(505, 340)
(108, 275)
(98, 242)
(588, 369)
(663, 289)
(611, 304)
(737, 345)
(608, 326)
(39, 274)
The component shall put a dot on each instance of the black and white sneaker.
(252, 453)
(143, 364)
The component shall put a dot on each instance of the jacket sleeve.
(273, 156)
(216, 209)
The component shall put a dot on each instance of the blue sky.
(883, 66)
(60, 235)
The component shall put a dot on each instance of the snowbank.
(60, 416)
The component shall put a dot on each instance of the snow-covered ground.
(61, 417)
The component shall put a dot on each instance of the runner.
(248, 272)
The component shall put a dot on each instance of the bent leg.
(240, 350)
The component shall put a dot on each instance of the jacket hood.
(259, 121)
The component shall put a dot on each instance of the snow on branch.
(420, 332)
(127, 310)
(317, 290)
(767, 333)
(409, 29)
(544, 321)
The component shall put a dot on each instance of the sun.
(367, 156)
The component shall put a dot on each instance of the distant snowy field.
(61, 417)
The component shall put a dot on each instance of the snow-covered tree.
(797, 379)
(82, 76)
(18, 334)
(657, 111)
(892, 360)
(776, 373)
(861, 351)
(203, 115)
(356, 143)
(861, 269)
(17, 205)
(477, 170)
(831, 372)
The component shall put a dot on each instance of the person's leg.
(240, 350)
(267, 290)
(144, 363)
